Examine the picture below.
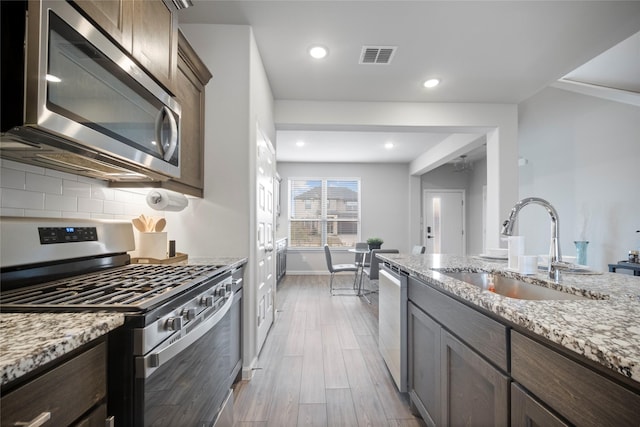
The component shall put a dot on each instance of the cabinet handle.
(37, 421)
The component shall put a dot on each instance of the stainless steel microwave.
(72, 100)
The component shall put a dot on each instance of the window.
(324, 211)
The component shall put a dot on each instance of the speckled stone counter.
(30, 340)
(604, 328)
(230, 262)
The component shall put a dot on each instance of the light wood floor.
(320, 365)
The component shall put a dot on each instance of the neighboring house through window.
(324, 211)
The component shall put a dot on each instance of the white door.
(444, 220)
(265, 236)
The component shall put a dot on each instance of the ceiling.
(483, 51)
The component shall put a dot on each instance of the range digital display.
(49, 235)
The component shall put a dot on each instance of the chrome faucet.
(554, 249)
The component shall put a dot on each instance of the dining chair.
(362, 246)
(373, 271)
(338, 268)
(417, 250)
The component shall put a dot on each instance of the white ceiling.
(484, 51)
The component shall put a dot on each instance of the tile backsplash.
(33, 191)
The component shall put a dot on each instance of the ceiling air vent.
(377, 54)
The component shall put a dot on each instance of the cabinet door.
(190, 94)
(474, 393)
(155, 40)
(528, 412)
(424, 364)
(115, 17)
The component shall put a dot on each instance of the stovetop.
(134, 287)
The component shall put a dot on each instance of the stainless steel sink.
(509, 287)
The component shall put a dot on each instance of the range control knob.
(221, 291)
(174, 323)
(189, 313)
(207, 301)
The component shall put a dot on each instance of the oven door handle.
(145, 366)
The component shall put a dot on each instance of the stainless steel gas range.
(175, 358)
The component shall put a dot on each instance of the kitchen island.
(551, 362)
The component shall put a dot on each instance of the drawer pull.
(37, 421)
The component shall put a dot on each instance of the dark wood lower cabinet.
(70, 393)
(474, 393)
(526, 411)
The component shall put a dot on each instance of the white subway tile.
(101, 216)
(11, 212)
(60, 203)
(43, 183)
(85, 215)
(62, 175)
(115, 208)
(122, 196)
(12, 178)
(90, 205)
(92, 181)
(21, 166)
(76, 189)
(10, 198)
(102, 193)
(42, 214)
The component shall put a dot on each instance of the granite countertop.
(604, 328)
(30, 340)
(230, 262)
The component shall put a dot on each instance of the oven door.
(185, 381)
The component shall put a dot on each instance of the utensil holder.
(153, 245)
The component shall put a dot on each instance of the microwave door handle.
(166, 146)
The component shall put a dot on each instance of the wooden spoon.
(160, 224)
(139, 225)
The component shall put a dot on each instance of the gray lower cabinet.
(450, 384)
(424, 365)
(527, 411)
(577, 393)
(474, 393)
(468, 369)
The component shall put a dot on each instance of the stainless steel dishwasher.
(392, 322)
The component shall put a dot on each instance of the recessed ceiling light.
(318, 52)
(300, 143)
(432, 83)
(388, 145)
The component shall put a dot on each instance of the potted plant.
(374, 243)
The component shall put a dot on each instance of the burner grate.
(131, 286)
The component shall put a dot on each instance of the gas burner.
(132, 287)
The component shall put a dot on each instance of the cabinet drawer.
(66, 391)
(576, 392)
(485, 335)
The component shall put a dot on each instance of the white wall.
(219, 223)
(583, 156)
(385, 194)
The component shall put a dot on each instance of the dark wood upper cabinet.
(155, 40)
(148, 30)
(115, 17)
